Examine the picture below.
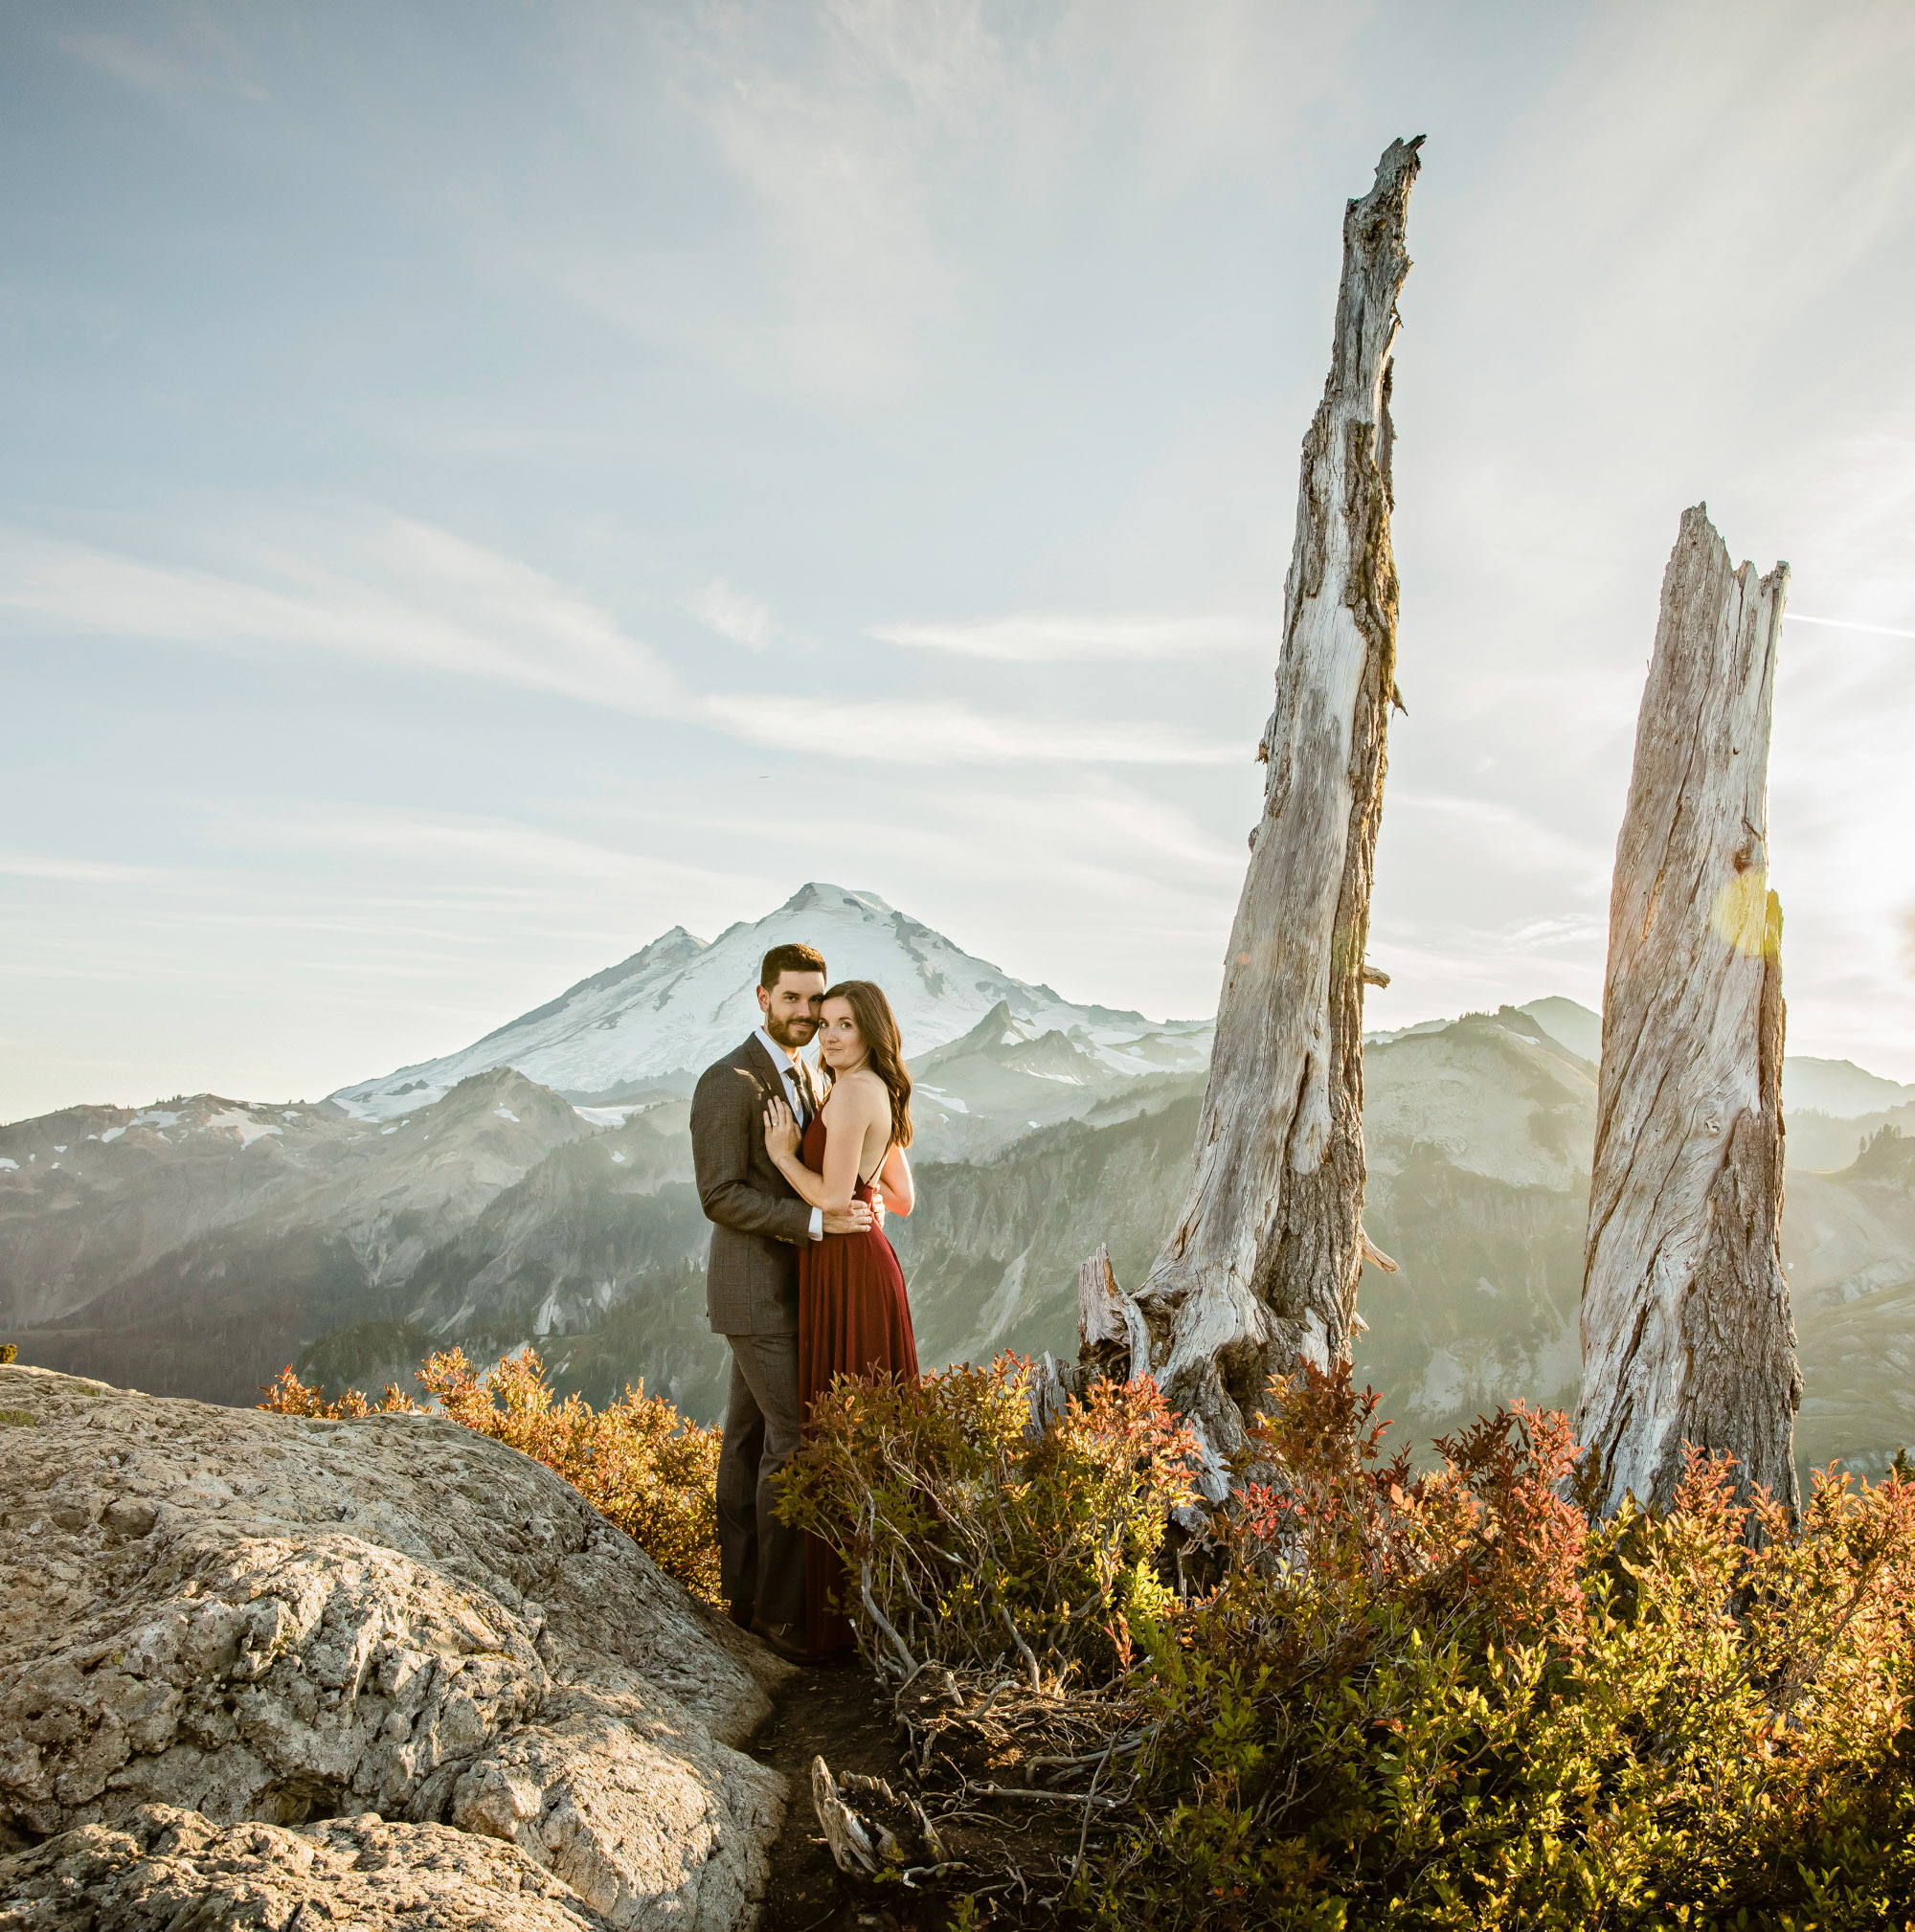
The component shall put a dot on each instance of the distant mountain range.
(538, 1186)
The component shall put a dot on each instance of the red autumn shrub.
(1453, 1701)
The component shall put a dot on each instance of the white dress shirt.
(786, 1063)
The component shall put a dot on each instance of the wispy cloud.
(844, 209)
(1206, 90)
(198, 59)
(397, 593)
(508, 852)
(82, 872)
(733, 613)
(1844, 625)
(897, 731)
(1459, 968)
(1601, 696)
(834, 123)
(1482, 833)
(1030, 639)
(1074, 826)
(402, 593)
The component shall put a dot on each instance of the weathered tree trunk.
(1686, 1329)
(1112, 1336)
(1264, 1261)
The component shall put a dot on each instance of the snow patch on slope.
(240, 1124)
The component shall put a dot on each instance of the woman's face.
(839, 1039)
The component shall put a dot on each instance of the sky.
(483, 485)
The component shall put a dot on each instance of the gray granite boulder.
(253, 1617)
(161, 1869)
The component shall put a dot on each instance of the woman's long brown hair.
(878, 1027)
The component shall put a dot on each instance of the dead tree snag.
(1686, 1331)
(1263, 1260)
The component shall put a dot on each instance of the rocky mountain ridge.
(193, 1248)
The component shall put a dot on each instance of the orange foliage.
(287, 1395)
(638, 1462)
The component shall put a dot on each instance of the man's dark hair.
(792, 958)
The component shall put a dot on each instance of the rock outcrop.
(279, 1621)
(164, 1868)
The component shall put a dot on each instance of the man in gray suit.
(751, 1288)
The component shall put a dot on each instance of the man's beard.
(790, 1033)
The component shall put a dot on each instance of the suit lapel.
(770, 1078)
(762, 1064)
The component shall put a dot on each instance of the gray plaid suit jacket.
(758, 1220)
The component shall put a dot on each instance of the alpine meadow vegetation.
(1448, 1699)
(969, 1538)
(1456, 1701)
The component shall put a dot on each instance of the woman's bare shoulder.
(862, 1092)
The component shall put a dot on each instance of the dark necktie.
(802, 1087)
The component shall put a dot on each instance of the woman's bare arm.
(896, 1185)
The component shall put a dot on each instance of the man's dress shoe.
(786, 1639)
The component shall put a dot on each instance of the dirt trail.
(840, 1714)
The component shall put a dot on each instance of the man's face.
(791, 1008)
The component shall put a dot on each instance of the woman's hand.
(780, 1133)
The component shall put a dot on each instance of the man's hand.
(878, 1211)
(854, 1220)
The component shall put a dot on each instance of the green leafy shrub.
(638, 1462)
(1453, 1701)
(967, 1542)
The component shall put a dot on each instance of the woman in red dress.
(853, 1317)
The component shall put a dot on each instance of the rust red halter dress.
(852, 1318)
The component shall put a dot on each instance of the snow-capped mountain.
(649, 1024)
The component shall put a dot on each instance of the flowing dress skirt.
(854, 1318)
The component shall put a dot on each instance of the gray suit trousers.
(761, 1562)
